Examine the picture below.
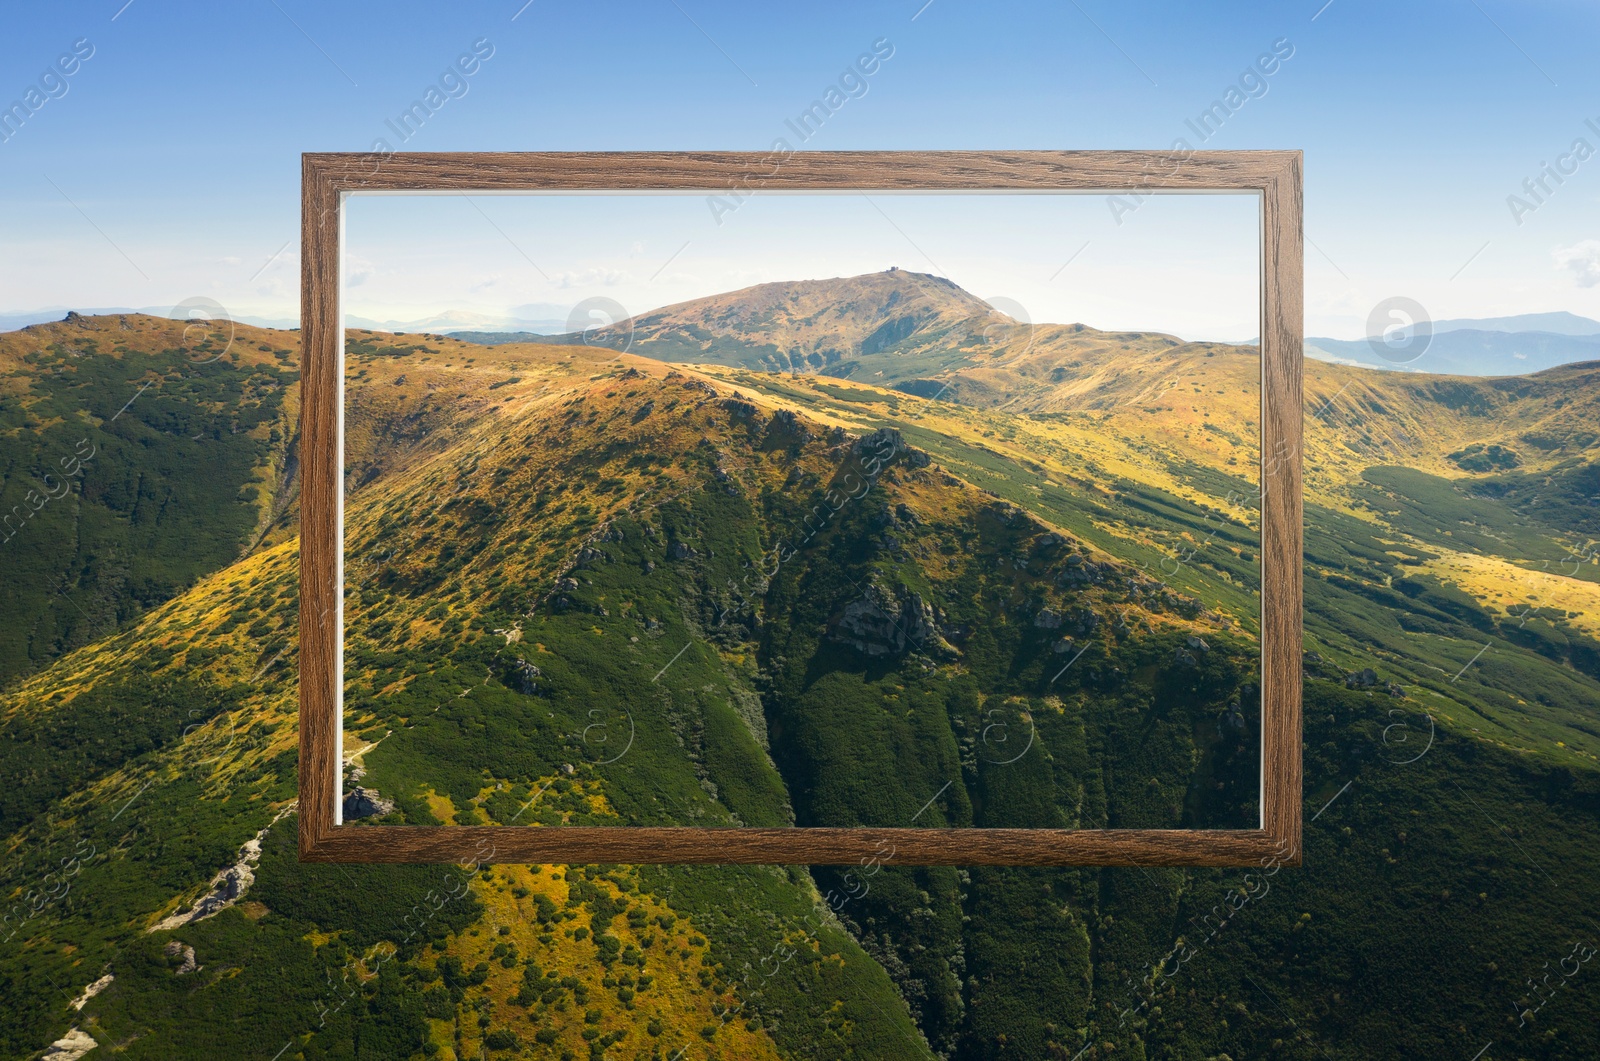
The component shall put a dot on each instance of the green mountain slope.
(914, 653)
(520, 515)
(134, 457)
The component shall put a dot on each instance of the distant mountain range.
(1558, 323)
(25, 318)
(786, 327)
(772, 329)
(1490, 346)
(547, 319)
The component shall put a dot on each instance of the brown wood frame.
(326, 178)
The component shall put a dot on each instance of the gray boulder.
(365, 803)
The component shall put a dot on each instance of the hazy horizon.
(1490, 213)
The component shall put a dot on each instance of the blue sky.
(1184, 264)
(169, 168)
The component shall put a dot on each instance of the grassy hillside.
(911, 322)
(585, 588)
(134, 457)
(138, 453)
(1408, 572)
(647, 593)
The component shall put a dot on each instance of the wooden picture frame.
(1275, 176)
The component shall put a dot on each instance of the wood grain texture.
(321, 535)
(1275, 175)
(921, 847)
(1282, 529)
(801, 170)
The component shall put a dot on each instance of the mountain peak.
(866, 295)
(817, 325)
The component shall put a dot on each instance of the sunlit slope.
(896, 321)
(924, 335)
(135, 457)
(1386, 550)
(138, 454)
(993, 963)
(209, 760)
(598, 485)
(408, 397)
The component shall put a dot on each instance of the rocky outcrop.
(721, 475)
(1368, 679)
(524, 677)
(1362, 679)
(173, 949)
(1082, 621)
(786, 428)
(886, 622)
(1078, 571)
(229, 885)
(562, 599)
(956, 633)
(884, 447)
(70, 1046)
(739, 409)
(365, 803)
(92, 990)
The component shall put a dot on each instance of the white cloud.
(1583, 258)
